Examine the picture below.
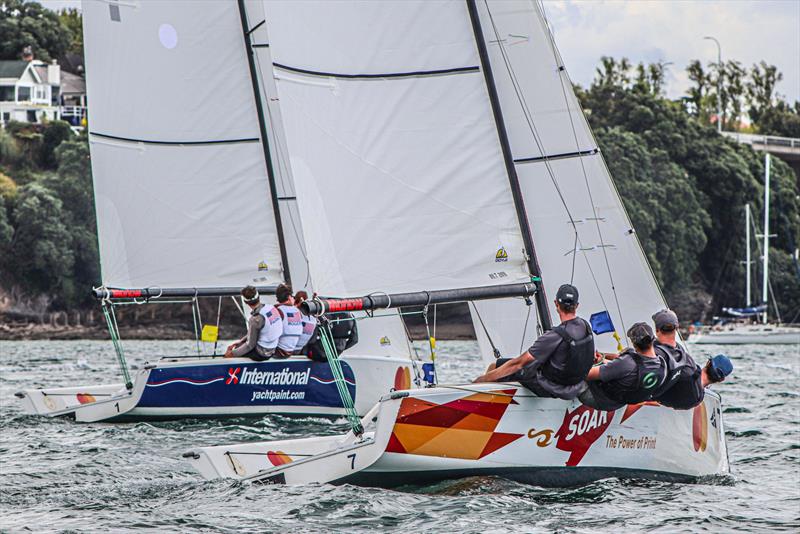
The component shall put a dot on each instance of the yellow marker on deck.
(209, 333)
(432, 341)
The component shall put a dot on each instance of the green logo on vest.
(650, 380)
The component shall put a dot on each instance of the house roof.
(70, 83)
(12, 68)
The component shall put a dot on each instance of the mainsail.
(181, 186)
(580, 229)
(393, 148)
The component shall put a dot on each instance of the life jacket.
(651, 373)
(571, 366)
(309, 323)
(292, 327)
(687, 391)
(272, 329)
(344, 331)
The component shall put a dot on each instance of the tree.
(41, 247)
(735, 94)
(72, 19)
(6, 231)
(699, 91)
(53, 133)
(29, 24)
(761, 89)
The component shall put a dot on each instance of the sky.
(668, 31)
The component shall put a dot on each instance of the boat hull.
(205, 387)
(503, 430)
(747, 337)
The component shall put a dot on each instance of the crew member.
(309, 323)
(631, 378)
(292, 323)
(263, 329)
(558, 361)
(689, 388)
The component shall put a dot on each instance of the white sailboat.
(450, 119)
(194, 198)
(745, 330)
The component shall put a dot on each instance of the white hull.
(204, 387)
(749, 335)
(489, 429)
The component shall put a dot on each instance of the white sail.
(181, 186)
(580, 229)
(393, 148)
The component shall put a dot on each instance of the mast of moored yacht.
(765, 281)
(747, 252)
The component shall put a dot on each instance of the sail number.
(352, 460)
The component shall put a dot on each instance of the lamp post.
(719, 81)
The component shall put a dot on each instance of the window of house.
(6, 116)
(54, 94)
(31, 115)
(6, 93)
(23, 94)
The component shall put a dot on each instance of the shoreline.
(48, 332)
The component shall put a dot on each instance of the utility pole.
(719, 82)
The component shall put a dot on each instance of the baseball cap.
(665, 318)
(721, 366)
(641, 334)
(567, 294)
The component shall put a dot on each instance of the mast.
(747, 253)
(765, 282)
(508, 158)
(262, 125)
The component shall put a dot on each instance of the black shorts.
(513, 377)
(594, 397)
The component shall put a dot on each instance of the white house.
(29, 91)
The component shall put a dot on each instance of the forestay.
(580, 229)
(393, 149)
(181, 186)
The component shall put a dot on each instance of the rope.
(219, 312)
(194, 323)
(113, 330)
(534, 132)
(326, 337)
(485, 331)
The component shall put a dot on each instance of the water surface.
(56, 475)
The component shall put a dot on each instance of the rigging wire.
(485, 331)
(562, 69)
(769, 282)
(546, 159)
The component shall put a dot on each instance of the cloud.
(673, 31)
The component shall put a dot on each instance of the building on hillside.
(72, 98)
(29, 91)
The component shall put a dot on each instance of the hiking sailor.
(309, 323)
(558, 361)
(689, 388)
(292, 323)
(263, 329)
(631, 378)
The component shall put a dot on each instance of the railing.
(73, 111)
(764, 140)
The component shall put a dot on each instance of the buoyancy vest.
(292, 327)
(272, 329)
(651, 374)
(687, 390)
(309, 323)
(344, 331)
(570, 366)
